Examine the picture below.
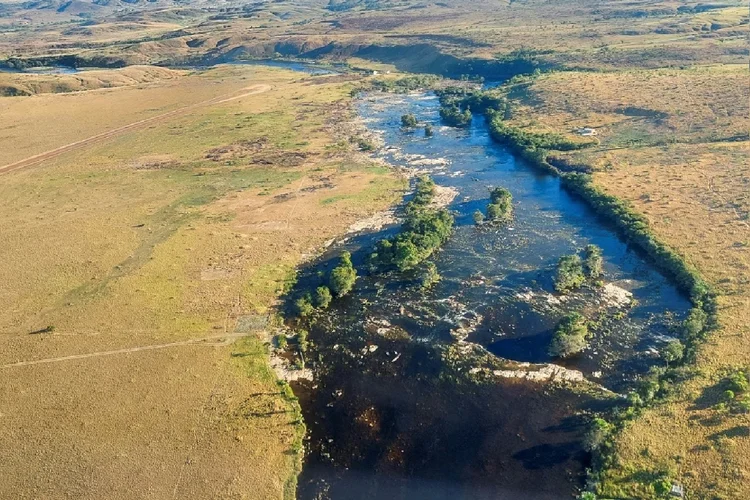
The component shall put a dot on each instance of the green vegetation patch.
(422, 233)
(571, 336)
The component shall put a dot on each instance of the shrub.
(286, 390)
(569, 275)
(662, 487)
(430, 275)
(501, 205)
(423, 231)
(304, 306)
(593, 262)
(323, 297)
(428, 132)
(302, 343)
(478, 217)
(570, 336)
(454, 117)
(673, 351)
(598, 434)
(694, 323)
(343, 276)
(737, 381)
(281, 341)
(408, 121)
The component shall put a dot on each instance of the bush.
(323, 297)
(430, 275)
(593, 262)
(662, 487)
(343, 276)
(281, 341)
(673, 351)
(302, 343)
(570, 336)
(428, 132)
(501, 205)
(304, 305)
(598, 434)
(478, 217)
(423, 231)
(454, 117)
(737, 381)
(408, 121)
(694, 323)
(569, 275)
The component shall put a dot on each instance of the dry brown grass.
(700, 104)
(30, 83)
(142, 241)
(667, 158)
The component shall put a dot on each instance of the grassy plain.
(675, 144)
(663, 82)
(186, 228)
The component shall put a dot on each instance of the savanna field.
(160, 197)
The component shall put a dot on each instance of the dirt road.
(39, 158)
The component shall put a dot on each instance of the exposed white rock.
(542, 373)
(616, 296)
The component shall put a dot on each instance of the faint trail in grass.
(221, 340)
(73, 146)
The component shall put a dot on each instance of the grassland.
(133, 246)
(173, 229)
(674, 143)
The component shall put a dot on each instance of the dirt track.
(224, 339)
(39, 158)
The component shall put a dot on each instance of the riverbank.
(370, 339)
(674, 213)
(159, 253)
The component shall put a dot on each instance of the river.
(396, 410)
(390, 416)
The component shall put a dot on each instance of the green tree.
(662, 487)
(593, 263)
(598, 434)
(570, 336)
(737, 381)
(569, 274)
(302, 343)
(281, 341)
(343, 276)
(430, 275)
(673, 351)
(304, 305)
(428, 132)
(501, 205)
(408, 121)
(423, 231)
(453, 116)
(694, 324)
(323, 297)
(478, 217)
